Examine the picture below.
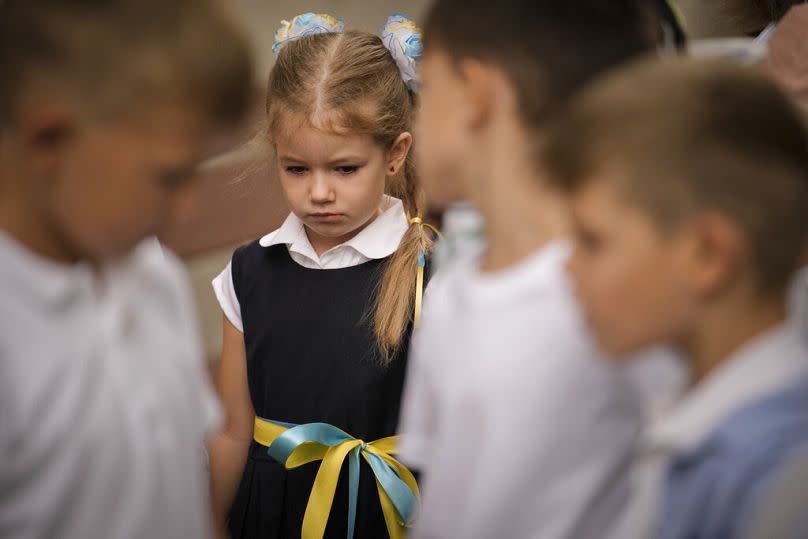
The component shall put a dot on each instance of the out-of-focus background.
(241, 201)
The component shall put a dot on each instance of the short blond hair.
(110, 55)
(682, 136)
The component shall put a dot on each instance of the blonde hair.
(352, 80)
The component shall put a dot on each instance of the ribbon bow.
(304, 25)
(295, 445)
(403, 39)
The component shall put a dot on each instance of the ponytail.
(400, 285)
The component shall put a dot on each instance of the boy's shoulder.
(716, 487)
(517, 316)
(44, 298)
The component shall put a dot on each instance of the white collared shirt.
(104, 399)
(519, 427)
(762, 367)
(379, 239)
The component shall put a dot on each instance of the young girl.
(318, 313)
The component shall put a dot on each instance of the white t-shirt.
(518, 427)
(104, 400)
(379, 239)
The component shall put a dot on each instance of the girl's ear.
(398, 153)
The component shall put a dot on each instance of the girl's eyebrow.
(348, 158)
(290, 158)
(341, 159)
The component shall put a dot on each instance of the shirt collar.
(379, 239)
(50, 282)
(765, 365)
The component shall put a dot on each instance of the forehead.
(320, 141)
(601, 197)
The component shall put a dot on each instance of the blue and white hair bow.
(403, 39)
(400, 35)
(305, 25)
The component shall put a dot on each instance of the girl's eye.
(347, 170)
(297, 171)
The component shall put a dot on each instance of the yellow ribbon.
(325, 484)
(419, 221)
(419, 276)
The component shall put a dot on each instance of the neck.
(23, 218)
(521, 214)
(726, 329)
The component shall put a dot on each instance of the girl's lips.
(326, 217)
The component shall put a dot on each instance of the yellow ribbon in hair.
(419, 277)
(296, 445)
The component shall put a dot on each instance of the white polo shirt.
(104, 400)
(379, 239)
(519, 428)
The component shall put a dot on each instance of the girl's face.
(335, 182)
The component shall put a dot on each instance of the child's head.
(545, 51)
(339, 118)
(690, 196)
(105, 108)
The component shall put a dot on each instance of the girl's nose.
(322, 191)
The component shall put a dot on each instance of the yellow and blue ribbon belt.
(295, 445)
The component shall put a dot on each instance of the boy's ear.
(718, 249)
(44, 130)
(482, 82)
(398, 153)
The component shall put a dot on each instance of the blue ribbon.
(400, 494)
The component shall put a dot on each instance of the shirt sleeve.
(226, 296)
